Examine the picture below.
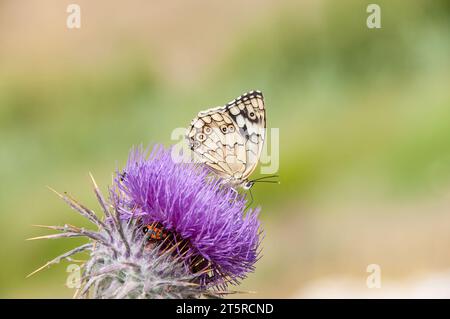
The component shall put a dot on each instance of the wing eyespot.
(207, 130)
(201, 137)
(224, 129)
(231, 128)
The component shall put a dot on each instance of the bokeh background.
(364, 119)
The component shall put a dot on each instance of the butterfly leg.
(251, 199)
(236, 193)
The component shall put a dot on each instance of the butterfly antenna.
(263, 179)
(272, 182)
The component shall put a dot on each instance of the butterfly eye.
(231, 128)
(207, 130)
(224, 129)
(201, 137)
(145, 229)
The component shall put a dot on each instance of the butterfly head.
(247, 184)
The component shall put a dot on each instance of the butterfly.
(229, 139)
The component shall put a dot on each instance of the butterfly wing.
(229, 139)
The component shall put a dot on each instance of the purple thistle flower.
(195, 207)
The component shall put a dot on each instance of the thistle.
(169, 230)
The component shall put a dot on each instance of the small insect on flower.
(155, 232)
(122, 176)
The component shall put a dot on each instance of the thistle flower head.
(202, 239)
(196, 208)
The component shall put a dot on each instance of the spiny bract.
(205, 219)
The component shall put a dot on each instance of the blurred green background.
(364, 119)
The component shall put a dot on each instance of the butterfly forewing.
(229, 138)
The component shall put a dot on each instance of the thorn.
(59, 235)
(93, 180)
(42, 237)
(47, 226)
(229, 292)
(61, 257)
(38, 270)
(54, 191)
(204, 272)
(83, 261)
(75, 295)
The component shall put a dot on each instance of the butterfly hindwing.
(229, 139)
